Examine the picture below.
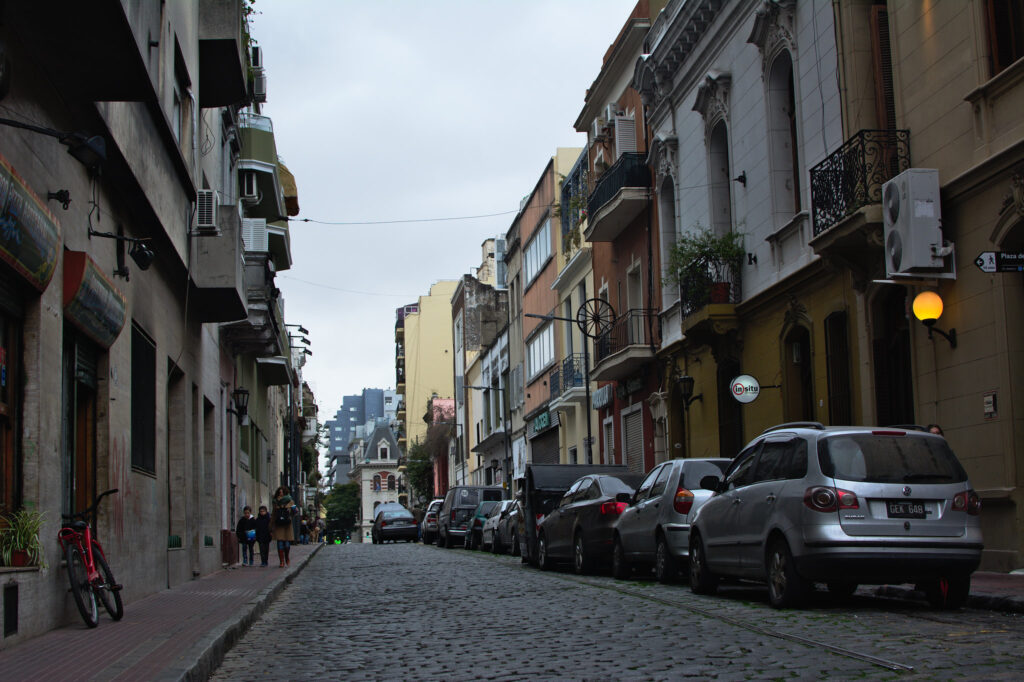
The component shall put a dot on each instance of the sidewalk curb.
(984, 602)
(199, 662)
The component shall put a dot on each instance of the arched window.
(376, 481)
(719, 179)
(782, 140)
(391, 482)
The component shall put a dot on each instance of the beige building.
(423, 358)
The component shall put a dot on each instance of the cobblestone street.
(407, 611)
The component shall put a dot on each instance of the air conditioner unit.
(206, 210)
(250, 189)
(610, 112)
(256, 60)
(911, 216)
(259, 86)
(597, 129)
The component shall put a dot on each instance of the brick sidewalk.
(175, 634)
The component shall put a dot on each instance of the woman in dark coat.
(283, 530)
(246, 523)
(263, 534)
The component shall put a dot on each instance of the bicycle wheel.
(81, 590)
(109, 592)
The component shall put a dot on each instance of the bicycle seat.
(78, 525)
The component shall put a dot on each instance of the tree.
(419, 470)
(342, 507)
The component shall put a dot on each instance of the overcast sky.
(398, 110)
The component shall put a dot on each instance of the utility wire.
(347, 291)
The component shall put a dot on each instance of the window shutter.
(254, 234)
(885, 103)
(633, 425)
(625, 135)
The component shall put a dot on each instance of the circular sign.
(744, 388)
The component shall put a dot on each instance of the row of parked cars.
(801, 505)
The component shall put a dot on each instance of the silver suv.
(805, 503)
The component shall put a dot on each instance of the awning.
(91, 301)
(29, 233)
(274, 371)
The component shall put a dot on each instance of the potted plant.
(704, 266)
(19, 539)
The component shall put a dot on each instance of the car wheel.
(948, 593)
(621, 567)
(666, 570)
(543, 560)
(841, 588)
(786, 587)
(515, 544)
(581, 562)
(702, 579)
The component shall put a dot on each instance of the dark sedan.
(394, 525)
(580, 527)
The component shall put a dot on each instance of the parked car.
(543, 486)
(429, 528)
(489, 533)
(655, 527)
(805, 503)
(580, 528)
(475, 526)
(388, 506)
(506, 535)
(459, 504)
(393, 525)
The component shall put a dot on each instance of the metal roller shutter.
(633, 425)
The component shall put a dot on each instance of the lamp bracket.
(62, 195)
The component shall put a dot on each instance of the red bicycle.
(88, 572)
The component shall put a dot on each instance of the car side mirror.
(624, 497)
(712, 483)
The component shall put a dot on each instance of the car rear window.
(492, 495)
(889, 459)
(612, 486)
(486, 507)
(393, 515)
(694, 471)
(467, 497)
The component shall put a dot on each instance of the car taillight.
(824, 499)
(613, 507)
(540, 517)
(453, 516)
(968, 502)
(683, 501)
(383, 523)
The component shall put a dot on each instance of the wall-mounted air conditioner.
(206, 210)
(597, 129)
(250, 189)
(610, 112)
(911, 216)
(256, 57)
(259, 86)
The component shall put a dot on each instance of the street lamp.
(927, 308)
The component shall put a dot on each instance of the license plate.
(905, 510)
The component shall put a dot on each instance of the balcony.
(846, 195)
(260, 332)
(627, 346)
(218, 274)
(222, 80)
(566, 381)
(619, 196)
(259, 156)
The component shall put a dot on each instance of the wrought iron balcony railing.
(852, 176)
(630, 170)
(636, 327)
(698, 289)
(566, 375)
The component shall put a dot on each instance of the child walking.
(246, 532)
(263, 534)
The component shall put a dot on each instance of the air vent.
(206, 210)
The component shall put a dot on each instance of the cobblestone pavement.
(412, 612)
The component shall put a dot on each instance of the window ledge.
(998, 84)
(793, 225)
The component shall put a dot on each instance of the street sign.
(1000, 261)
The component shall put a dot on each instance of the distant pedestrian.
(263, 534)
(284, 531)
(246, 532)
(936, 429)
(304, 530)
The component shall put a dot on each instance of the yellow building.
(423, 358)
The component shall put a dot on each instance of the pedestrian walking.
(263, 534)
(283, 530)
(304, 530)
(936, 429)
(246, 532)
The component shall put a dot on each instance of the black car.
(581, 527)
(457, 510)
(394, 525)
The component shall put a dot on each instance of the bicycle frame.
(68, 535)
